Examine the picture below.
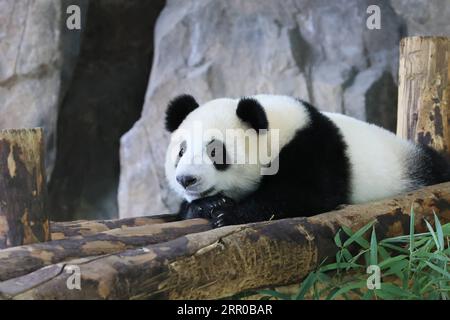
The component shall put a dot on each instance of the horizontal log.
(219, 263)
(21, 260)
(62, 230)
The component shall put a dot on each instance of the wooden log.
(62, 230)
(424, 91)
(23, 215)
(221, 262)
(21, 260)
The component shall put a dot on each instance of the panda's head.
(208, 144)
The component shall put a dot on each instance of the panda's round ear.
(249, 110)
(178, 109)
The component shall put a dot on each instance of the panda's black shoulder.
(315, 163)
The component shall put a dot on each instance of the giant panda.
(323, 159)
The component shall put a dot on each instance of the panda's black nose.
(186, 181)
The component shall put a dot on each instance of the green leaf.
(358, 235)
(411, 231)
(389, 262)
(446, 229)
(433, 255)
(421, 242)
(383, 253)
(398, 269)
(349, 287)
(368, 295)
(355, 258)
(341, 265)
(337, 239)
(347, 255)
(306, 286)
(430, 228)
(384, 295)
(373, 248)
(438, 269)
(361, 241)
(395, 291)
(439, 231)
(394, 247)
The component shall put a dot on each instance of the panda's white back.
(379, 159)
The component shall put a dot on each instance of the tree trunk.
(424, 91)
(23, 215)
(21, 260)
(62, 230)
(228, 260)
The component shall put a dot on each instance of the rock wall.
(33, 60)
(318, 50)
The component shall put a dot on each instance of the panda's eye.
(182, 149)
(218, 154)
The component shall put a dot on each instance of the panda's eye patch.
(216, 151)
(182, 149)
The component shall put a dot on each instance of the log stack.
(187, 260)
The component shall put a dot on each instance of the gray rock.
(32, 57)
(425, 18)
(318, 50)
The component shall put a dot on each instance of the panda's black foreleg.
(223, 211)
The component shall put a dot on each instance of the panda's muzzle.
(187, 180)
(201, 194)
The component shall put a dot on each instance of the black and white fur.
(325, 160)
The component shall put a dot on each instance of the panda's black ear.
(249, 110)
(178, 109)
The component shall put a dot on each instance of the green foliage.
(414, 266)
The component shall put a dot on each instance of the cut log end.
(23, 215)
(424, 91)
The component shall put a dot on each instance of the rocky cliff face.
(33, 62)
(85, 87)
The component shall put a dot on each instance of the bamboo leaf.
(388, 262)
(358, 234)
(438, 269)
(337, 239)
(306, 286)
(373, 248)
(349, 287)
(439, 231)
(411, 230)
(433, 234)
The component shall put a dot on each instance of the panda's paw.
(209, 207)
(222, 217)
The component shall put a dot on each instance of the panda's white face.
(201, 160)
(226, 145)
